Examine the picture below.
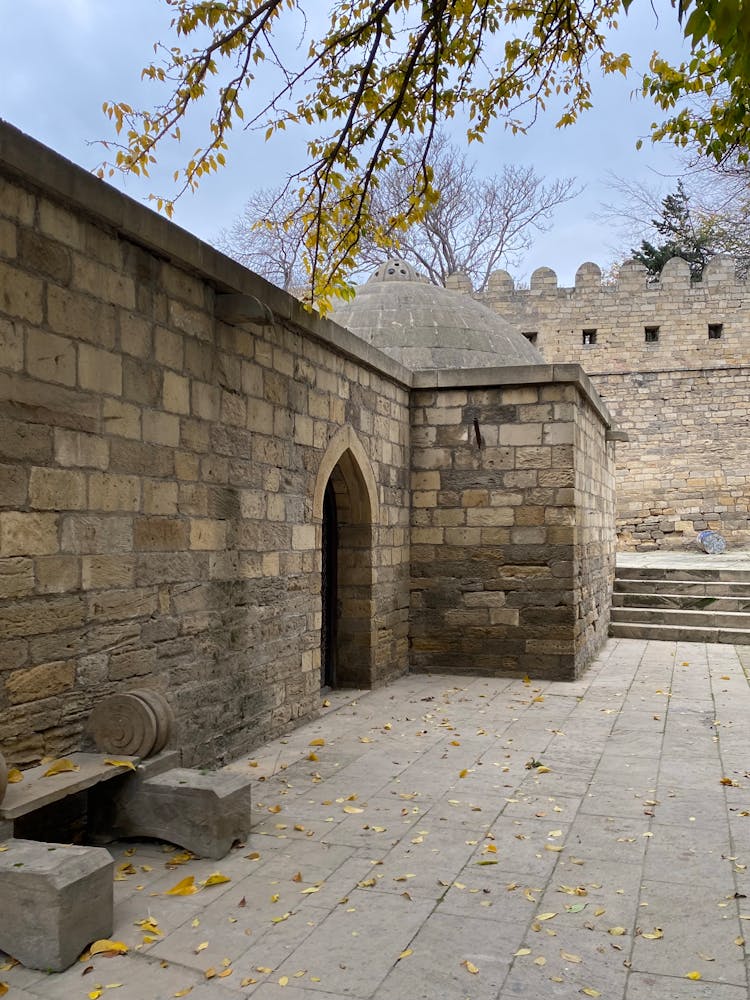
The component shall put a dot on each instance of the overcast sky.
(62, 58)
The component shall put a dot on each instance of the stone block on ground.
(56, 900)
(204, 812)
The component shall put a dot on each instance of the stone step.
(686, 573)
(679, 633)
(704, 588)
(684, 602)
(675, 616)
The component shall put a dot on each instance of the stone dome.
(425, 326)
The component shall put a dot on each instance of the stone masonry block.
(28, 534)
(11, 345)
(57, 899)
(99, 370)
(204, 812)
(50, 357)
(57, 489)
(20, 294)
(83, 450)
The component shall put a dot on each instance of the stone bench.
(55, 899)
(202, 811)
(36, 791)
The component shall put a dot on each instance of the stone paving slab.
(466, 839)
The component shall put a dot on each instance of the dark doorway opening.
(329, 589)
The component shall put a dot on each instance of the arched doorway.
(329, 589)
(346, 504)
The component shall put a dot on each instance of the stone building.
(671, 360)
(209, 491)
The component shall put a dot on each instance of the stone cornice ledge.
(478, 378)
(40, 167)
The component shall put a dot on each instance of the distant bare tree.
(477, 225)
(267, 238)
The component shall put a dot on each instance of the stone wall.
(685, 464)
(682, 398)
(499, 461)
(166, 423)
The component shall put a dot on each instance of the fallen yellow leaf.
(278, 920)
(248, 981)
(352, 809)
(590, 992)
(693, 975)
(14, 776)
(3, 989)
(264, 969)
(62, 766)
(312, 756)
(181, 858)
(541, 960)
(201, 947)
(617, 931)
(105, 946)
(148, 925)
(225, 973)
(210, 973)
(183, 993)
(216, 879)
(546, 916)
(274, 809)
(566, 955)
(406, 953)
(185, 887)
(463, 773)
(121, 763)
(522, 951)
(655, 935)
(310, 889)
(94, 994)
(317, 743)
(284, 981)
(543, 770)
(470, 967)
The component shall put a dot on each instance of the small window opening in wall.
(715, 331)
(651, 334)
(531, 336)
(588, 337)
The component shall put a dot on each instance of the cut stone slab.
(204, 812)
(36, 791)
(56, 900)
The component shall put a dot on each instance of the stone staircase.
(681, 604)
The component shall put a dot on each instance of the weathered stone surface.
(124, 724)
(39, 682)
(56, 900)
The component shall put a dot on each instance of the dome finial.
(394, 270)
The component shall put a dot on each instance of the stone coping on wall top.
(458, 378)
(51, 174)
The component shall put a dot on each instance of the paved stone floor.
(468, 839)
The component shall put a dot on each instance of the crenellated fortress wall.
(671, 359)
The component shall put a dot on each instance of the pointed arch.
(345, 502)
(346, 451)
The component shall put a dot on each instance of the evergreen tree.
(682, 236)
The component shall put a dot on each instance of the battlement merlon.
(719, 277)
